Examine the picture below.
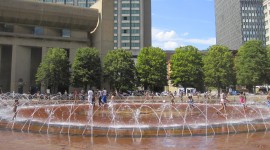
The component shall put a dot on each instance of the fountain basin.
(139, 119)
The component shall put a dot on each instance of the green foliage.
(218, 67)
(119, 70)
(251, 63)
(267, 69)
(152, 68)
(54, 69)
(86, 68)
(186, 67)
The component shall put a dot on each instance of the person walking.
(104, 96)
(15, 106)
(242, 100)
(99, 95)
(223, 101)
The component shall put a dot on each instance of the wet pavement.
(34, 141)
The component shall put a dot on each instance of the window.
(65, 33)
(135, 44)
(125, 44)
(38, 31)
(125, 31)
(6, 28)
(135, 31)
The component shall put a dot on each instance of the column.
(20, 68)
(44, 52)
(0, 59)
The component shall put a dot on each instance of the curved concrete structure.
(28, 29)
(50, 15)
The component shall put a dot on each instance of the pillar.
(20, 68)
(43, 54)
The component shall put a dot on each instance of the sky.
(178, 23)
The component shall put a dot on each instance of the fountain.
(132, 117)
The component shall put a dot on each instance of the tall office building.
(238, 21)
(132, 22)
(266, 7)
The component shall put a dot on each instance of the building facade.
(266, 7)
(28, 29)
(132, 22)
(238, 21)
(80, 3)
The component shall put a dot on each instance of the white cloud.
(185, 34)
(169, 39)
(170, 45)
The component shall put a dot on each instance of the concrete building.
(28, 29)
(80, 3)
(132, 22)
(266, 7)
(238, 21)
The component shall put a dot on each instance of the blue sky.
(183, 22)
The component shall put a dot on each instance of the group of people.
(224, 101)
(100, 94)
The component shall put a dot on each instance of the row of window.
(253, 38)
(132, 5)
(253, 33)
(81, 3)
(132, 31)
(126, 18)
(128, 38)
(256, 20)
(39, 31)
(130, 44)
(130, 24)
(130, 12)
(134, 45)
(252, 8)
(252, 26)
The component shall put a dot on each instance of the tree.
(54, 70)
(152, 68)
(186, 67)
(218, 67)
(119, 70)
(86, 68)
(251, 63)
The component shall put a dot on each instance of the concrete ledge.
(50, 15)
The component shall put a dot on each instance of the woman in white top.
(223, 101)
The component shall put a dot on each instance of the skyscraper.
(266, 7)
(132, 22)
(238, 21)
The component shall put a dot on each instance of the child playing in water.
(172, 97)
(243, 100)
(268, 99)
(15, 105)
(190, 102)
(223, 101)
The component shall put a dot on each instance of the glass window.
(6, 28)
(125, 44)
(125, 31)
(65, 33)
(38, 31)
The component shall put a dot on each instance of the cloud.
(169, 39)
(185, 34)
